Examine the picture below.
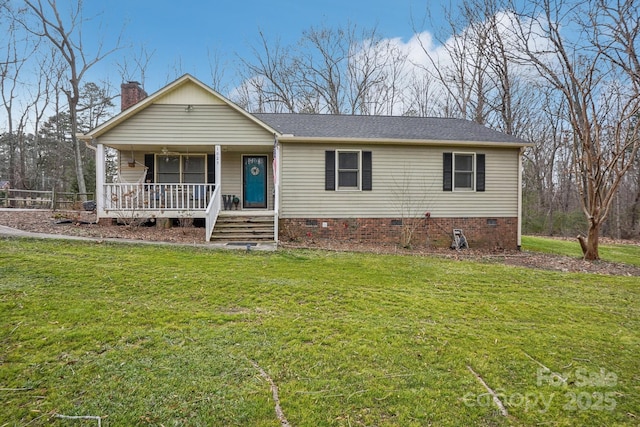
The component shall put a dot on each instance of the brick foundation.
(488, 233)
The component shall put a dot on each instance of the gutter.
(87, 140)
(380, 141)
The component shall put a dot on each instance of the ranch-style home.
(187, 152)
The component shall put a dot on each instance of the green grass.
(152, 335)
(626, 254)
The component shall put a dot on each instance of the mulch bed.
(80, 223)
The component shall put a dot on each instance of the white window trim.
(160, 157)
(359, 186)
(473, 172)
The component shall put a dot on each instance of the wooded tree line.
(564, 76)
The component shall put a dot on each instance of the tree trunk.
(583, 243)
(635, 209)
(77, 152)
(79, 166)
(591, 252)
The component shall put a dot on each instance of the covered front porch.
(188, 182)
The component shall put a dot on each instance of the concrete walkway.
(251, 246)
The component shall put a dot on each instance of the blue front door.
(254, 173)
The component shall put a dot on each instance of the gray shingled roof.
(383, 127)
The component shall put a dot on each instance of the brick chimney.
(131, 93)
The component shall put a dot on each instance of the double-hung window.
(348, 170)
(193, 169)
(463, 167)
(463, 172)
(181, 169)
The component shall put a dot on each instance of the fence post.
(53, 199)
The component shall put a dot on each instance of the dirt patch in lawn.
(80, 223)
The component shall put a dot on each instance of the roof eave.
(388, 141)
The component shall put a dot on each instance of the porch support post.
(218, 163)
(100, 179)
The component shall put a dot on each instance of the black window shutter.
(447, 171)
(211, 169)
(149, 162)
(480, 172)
(366, 171)
(330, 170)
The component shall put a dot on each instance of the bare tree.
(66, 36)
(547, 165)
(17, 104)
(135, 69)
(44, 94)
(94, 106)
(634, 207)
(476, 76)
(9, 71)
(270, 79)
(461, 65)
(597, 73)
(324, 53)
(330, 70)
(217, 67)
(419, 96)
(378, 75)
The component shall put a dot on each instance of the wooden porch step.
(244, 228)
(234, 230)
(245, 219)
(242, 238)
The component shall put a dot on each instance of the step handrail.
(212, 212)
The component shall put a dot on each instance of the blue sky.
(182, 33)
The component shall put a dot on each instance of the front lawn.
(627, 254)
(152, 335)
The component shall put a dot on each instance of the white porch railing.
(211, 214)
(155, 197)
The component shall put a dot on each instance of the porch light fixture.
(188, 108)
(165, 153)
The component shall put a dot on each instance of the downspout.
(87, 143)
(276, 186)
(519, 238)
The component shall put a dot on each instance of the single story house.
(188, 152)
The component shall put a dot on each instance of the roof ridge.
(372, 127)
(363, 115)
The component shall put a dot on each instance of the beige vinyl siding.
(172, 125)
(189, 94)
(407, 181)
(232, 175)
